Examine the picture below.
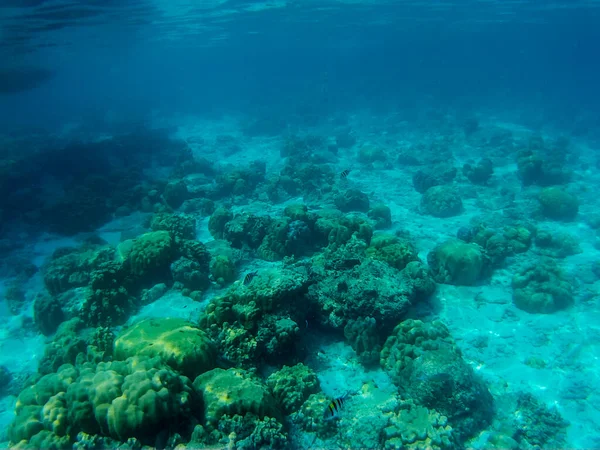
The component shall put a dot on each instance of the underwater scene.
(299, 224)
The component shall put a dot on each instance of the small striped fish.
(334, 407)
(344, 174)
(249, 277)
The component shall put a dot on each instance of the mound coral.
(134, 398)
(392, 250)
(441, 201)
(176, 342)
(259, 321)
(222, 270)
(367, 289)
(217, 222)
(234, 391)
(426, 365)
(181, 226)
(558, 204)
(69, 267)
(352, 200)
(292, 385)
(457, 262)
(333, 229)
(381, 215)
(149, 254)
(542, 288)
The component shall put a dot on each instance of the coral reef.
(392, 250)
(292, 385)
(381, 215)
(134, 398)
(558, 204)
(416, 427)
(542, 288)
(441, 201)
(479, 173)
(352, 200)
(426, 365)
(259, 322)
(176, 342)
(457, 262)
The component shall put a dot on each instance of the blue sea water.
(97, 99)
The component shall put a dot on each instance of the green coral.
(298, 211)
(259, 320)
(176, 342)
(519, 238)
(424, 362)
(149, 254)
(558, 204)
(333, 229)
(64, 347)
(556, 244)
(457, 262)
(222, 270)
(273, 246)
(246, 230)
(234, 391)
(363, 336)
(291, 386)
(441, 201)
(369, 153)
(70, 268)
(243, 432)
(108, 301)
(542, 288)
(421, 279)
(217, 222)
(381, 215)
(181, 226)
(494, 244)
(125, 399)
(392, 250)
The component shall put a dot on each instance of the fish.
(249, 277)
(344, 174)
(334, 407)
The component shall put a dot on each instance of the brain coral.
(176, 342)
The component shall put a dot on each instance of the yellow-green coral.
(390, 249)
(291, 386)
(334, 229)
(122, 399)
(234, 391)
(416, 428)
(176, 342)
(149, 252)
(222, 270)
